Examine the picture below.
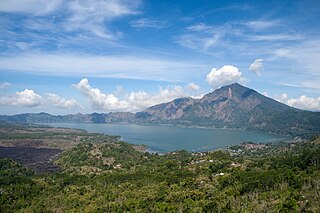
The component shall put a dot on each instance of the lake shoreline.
(168, 138)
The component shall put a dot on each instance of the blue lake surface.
(171, 138)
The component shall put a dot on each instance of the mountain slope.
(235, 106)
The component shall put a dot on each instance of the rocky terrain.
(40, 160)
(37, 147)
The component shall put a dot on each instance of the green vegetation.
(100, 175)
(33, 135)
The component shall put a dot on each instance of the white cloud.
(132, 67)
(306, 54)
(141, 100)
(4, 85)
(261, 25)
(148, 23)
(134, 101)
(25, 98)
(119, 90)
(198, 41)
(61, 102)
(276, 37)
(29, 98)
(256, 66)
(311, 84)
(99, 100)
(225, 75)
(197, 96)
(193, 86)
(100, 10)
(302, 102)
(201, 27)
(78, 15)
(37, 7)
(202, 36)
(92, 15)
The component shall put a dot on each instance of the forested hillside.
(101, 175)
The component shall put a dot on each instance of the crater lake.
(170, 138)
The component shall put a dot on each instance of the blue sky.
(62, 56)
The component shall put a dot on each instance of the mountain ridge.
(231, 106)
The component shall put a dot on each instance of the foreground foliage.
(100, 176)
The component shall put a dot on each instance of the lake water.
(171, 138)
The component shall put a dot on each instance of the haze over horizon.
(63, 57)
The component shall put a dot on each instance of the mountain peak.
(234, 90)
(234, 86)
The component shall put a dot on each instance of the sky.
(84, 56)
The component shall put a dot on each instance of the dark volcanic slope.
(39, 160)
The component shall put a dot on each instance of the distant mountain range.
(232, 106)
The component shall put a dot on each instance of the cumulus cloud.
(25, 98)
(134, 101)
(302, 102)
(141, 100)
(197, 96)
(99, 100)
(256, 66)
(58, 101)
(193, 86)
(29, 98)
(225, 75)
(4, 85)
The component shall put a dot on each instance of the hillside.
(98, 173)
(232, 106)
(71, 118)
